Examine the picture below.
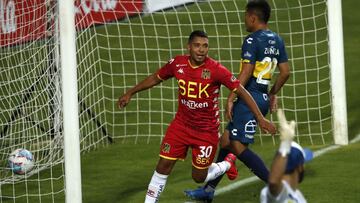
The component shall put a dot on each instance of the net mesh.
(114, 55)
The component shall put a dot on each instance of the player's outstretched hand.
(287, 129)
(123, 100)
(267, 126)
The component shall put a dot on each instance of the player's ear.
(188, 46)
(253, 18)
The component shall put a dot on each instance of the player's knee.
(165, 166)
(238, 147)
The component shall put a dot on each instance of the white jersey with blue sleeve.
(287, 195)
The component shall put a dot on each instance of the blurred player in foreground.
(262, 52)
(196, 123)
(287, 169)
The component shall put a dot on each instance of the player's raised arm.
(264, 124)
(147, 83)
(287, 134)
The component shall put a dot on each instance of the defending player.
(196, 123)
(262, 51)
(287, 169)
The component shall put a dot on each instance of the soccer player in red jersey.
(196, 123)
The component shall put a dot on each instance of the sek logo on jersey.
(193, 89)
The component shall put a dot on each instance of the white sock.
(156, 186)
(217, 169)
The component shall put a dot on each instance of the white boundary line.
(246, 181)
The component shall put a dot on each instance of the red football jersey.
(199, 89)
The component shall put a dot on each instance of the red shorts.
(179, 138)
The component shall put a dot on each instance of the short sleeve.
(226, 78)
(166, 71)
(248, 50)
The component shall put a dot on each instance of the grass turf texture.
(329, 178)
(121, 172)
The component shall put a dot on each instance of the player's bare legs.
(237, 147)
(225, 140)
(199, 175)
(165, 166)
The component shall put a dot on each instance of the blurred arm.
(278, 167)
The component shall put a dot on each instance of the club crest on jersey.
(205, 74)
(165, 148)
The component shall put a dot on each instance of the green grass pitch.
(329, 178)
(121, 171)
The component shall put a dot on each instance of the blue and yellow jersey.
(265, 49)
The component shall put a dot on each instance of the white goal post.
(63, 65)
(337, 69)
(70, 102)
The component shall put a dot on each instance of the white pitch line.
(245, 181)
(356, 139)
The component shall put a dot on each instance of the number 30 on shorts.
(205, 151)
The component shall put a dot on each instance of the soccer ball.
(21, 161)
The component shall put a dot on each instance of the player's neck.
(194, 65)
(260, 26)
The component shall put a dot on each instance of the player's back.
(265, 49)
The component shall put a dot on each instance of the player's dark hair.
(260, 8)
(197, 33)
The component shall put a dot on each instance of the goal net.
(119, 43)
(135, 48)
